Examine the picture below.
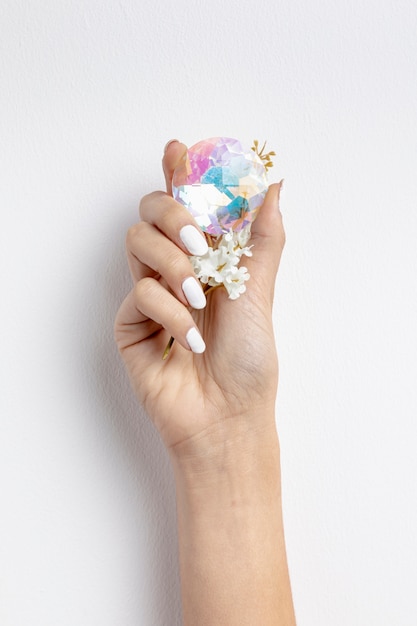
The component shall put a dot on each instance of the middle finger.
(149, 249)
(172, 219)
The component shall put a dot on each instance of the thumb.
(268, 239)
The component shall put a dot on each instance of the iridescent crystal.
(222, 183)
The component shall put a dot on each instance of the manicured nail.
(169, 143)
(281, 184)
(277, 193)
(194, 293)
(193, 240)
(195, 341)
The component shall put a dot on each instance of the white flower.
(235, 281)
(219, 266)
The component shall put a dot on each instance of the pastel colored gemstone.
(222, 183)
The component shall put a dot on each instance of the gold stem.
(168, 348)
(212, 288)
(169, 345)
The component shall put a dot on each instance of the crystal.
(222, 183)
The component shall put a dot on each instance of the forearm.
(231, 540)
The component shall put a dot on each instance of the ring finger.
(151, 253)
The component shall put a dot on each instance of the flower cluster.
(219, 266)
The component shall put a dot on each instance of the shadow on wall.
(133, 441)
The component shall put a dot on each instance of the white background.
(90, 92)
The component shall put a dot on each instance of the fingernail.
(193, 240)
(279, 189)
(169, 143)
(195, 341)
(194, 293)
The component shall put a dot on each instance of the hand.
(232, 384)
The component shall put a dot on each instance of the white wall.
(90, 92)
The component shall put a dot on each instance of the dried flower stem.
(206, 289)
(220, 266)
(168, 348)
(264, 157)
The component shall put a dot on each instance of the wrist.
(232, 448)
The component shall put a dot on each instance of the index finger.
(174, 154)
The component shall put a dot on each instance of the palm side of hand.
(237, 374)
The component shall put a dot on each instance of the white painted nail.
(193, 240)
(195, 341)
(194, 293)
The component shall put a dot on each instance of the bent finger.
(172, 219)
(148, 308)
(149, 249)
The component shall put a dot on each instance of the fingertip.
(280, 186)
(274, 193)
(195, 341)
(168, 143)
(269, 212)
(268, 234)
(174, 154)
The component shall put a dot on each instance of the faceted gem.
(222, 183)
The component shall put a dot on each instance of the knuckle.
(166, 209)
(142, 204)
(170, 211)
(282, 237)
(176, 317)
(134, 233)
(173, 261)
(148, 201)
(277, 231)
(145, 289)
(131, 234)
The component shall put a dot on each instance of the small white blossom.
(219, 266)
(243, 236)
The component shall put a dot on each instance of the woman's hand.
(231, 385)
(214, 408)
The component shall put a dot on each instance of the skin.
(214, 411)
